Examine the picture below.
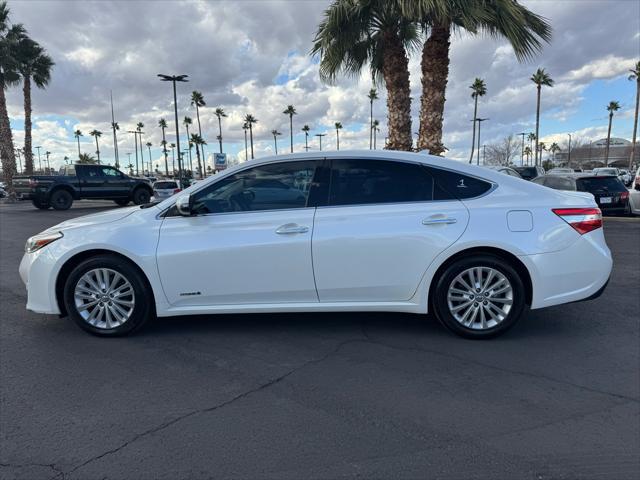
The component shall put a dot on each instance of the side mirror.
(183, 205)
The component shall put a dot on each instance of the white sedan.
(331, 231)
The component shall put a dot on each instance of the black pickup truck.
(75, 182)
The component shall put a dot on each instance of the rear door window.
(368, 181)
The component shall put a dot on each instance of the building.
(592, 155)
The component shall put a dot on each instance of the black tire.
(40, 205)
(123, 202)
(141, 196)
(61, 200)
(440, 302)
(143, 308)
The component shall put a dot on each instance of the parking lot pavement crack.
(240, 396)
(410, 348)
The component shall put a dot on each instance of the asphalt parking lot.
(320, 395)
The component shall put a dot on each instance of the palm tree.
(245, 127)
(291, 111)
(524, 30)
(115, 127)
(139, 127)
(149, 145)
(531, 137)
(96, 134)
(306, 129)
(554, 148)
(540, 78)
(635, 75)
(543, 148)
(527, 152)
(479, 89)
(197, 99)
(613, 106)
(373, 95)
(375, 129)
(338, 126)
(197, 140)
(162, 123)
(87, 159)
(173, 158)
(220, 113)
(354, 34)
(130, 167)
(9, 76)
(275, 134)
(250, 120)
(186, 122)
(78, 134)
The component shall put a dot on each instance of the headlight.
(41, 240)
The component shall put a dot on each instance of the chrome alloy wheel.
(104, 298)
(480, 298)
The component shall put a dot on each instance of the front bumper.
(36, 271)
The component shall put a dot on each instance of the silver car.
(164, 189)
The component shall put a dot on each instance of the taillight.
(177, 190)
(583, 220)
(33, 182)
(624, 195)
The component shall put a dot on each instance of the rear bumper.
(580, 272)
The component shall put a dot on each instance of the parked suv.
(76, 182)
(529, 173)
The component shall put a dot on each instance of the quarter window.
(267, 187)
(360, 181)
(457, 185)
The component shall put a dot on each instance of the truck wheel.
(141, 196)
(61, 200)
(123, 202)
(40, 205)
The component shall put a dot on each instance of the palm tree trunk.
(28, 154)
(220, 132)
(199, 131)
(78, 138)
(199, 164)
(395, 70)
(7, 153)
(164, 150)
(245, 144)
(291, 130)
(338, 138)
(306, 141)
(371, 124)
(635, 126)
(435, 73)
(97, 150)
(473, 141)
(606, 152)
(251, 138)
(537, 124)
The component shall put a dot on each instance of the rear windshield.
(605, 184)
(165, 185)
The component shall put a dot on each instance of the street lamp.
(569, 152)
(479, 120)
(174, 79)
(39, 161)
(320, 135)
(135, 136)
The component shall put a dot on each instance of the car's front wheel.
(479, 297)
(141, 196)
(107, 296)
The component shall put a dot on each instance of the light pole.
(19, 159)
(39, 161)
(479, 120)
(135, 136)
(320, 135)
(174, 79)
(569, 152)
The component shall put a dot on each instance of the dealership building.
(592, 155)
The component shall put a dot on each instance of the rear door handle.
(439, 221)
(291, 228)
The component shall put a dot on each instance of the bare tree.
(503, 152)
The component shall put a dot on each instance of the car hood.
(95, 219)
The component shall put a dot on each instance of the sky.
(252, 56)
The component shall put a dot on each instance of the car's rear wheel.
(479, 297)
(61, 200)
(141, 196)
(123, 202)
(107, 296)
(40, 205)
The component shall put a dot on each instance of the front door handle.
(439, 221)
(291, 228)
